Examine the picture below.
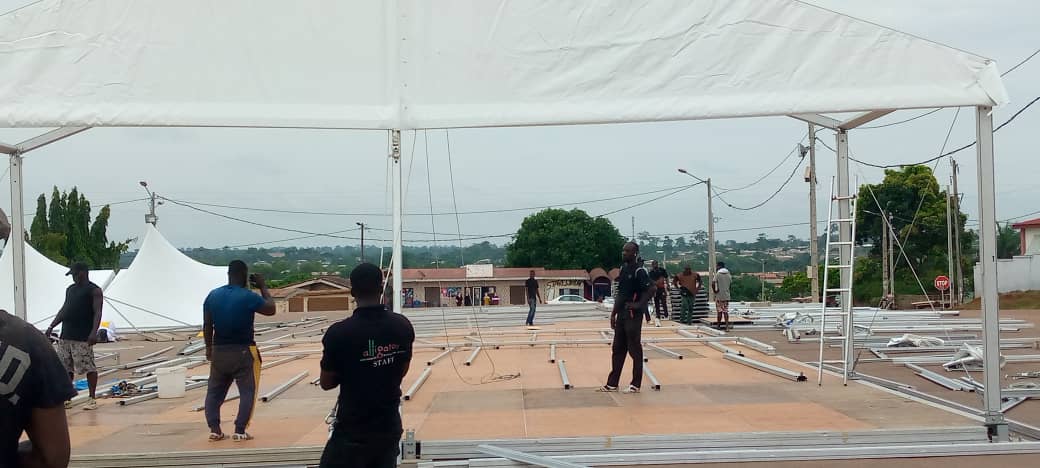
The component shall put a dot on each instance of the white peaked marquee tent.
(412, 64)
(161, 288)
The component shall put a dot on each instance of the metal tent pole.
(988, 266)
(844, 197)
(711, 244)
(18, 236)
(398, 250)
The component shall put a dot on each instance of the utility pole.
(711, 245)
(884, 256)
(633, 229)
(362, 225)
(762, 297)
(891, 255)
(959, 280)
(814, 248)
(949, 242)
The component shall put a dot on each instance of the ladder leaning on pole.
(845, 306)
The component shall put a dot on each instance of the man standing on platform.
(367, 356)
(689, 283)
(227, 328)
(634, 292)
(80, 317)
(659, 275)
(534, 296)
(721, 283)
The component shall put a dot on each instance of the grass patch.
(1017, 300)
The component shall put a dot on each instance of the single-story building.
(322, 294)
(1029, 231)
(431, 287)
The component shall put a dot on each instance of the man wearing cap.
(80, 317)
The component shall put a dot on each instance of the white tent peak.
(463, 63)
(46, 284)
(162, 287)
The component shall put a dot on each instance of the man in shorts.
(80, 318)
(689, 283)
(721, 284)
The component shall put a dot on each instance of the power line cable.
(948, 153)
(771, 171)
(767, 200)
(1030, 57)
(649, 201)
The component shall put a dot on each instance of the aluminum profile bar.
(271, 395)
(151, 396)
(148, 362)
(664, 351)
(1011, 403)
(526, 457)
(949, 383)
(153, 367)
(818, 119)
(757, 345)
(280, 361)
(654, 383)
(552, 353)
(8, 149)
(864, 118)
(48, 138)
(230, 397)
(316, 381)
(157, 353)
(777, 371)
(723, 348)
(534, 337)
(563, 375)
(472, 356)
(440, 356)
(1020, 393)
(418, 384)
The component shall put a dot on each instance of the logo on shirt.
(10, 378)
(382, 354)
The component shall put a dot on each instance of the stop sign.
(942, 283)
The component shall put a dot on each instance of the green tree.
(1008, 242)
(560, 239)
(64, 232)
(797, 285)
(911, 197)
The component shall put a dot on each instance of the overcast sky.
(345, 171)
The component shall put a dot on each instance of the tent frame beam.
(835, 124)
(18, 207)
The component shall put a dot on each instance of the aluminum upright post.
(711, 244)
(17, 240)
(988, 265)
(844, 198)
(949, 244)
(814, 247)
(398, 224)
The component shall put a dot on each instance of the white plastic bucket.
(171, 381)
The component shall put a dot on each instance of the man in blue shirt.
(227, 327)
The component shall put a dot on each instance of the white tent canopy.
(412, 64)
(46, 283)
(161, 288)
(462, 63)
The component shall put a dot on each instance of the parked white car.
(569, 299)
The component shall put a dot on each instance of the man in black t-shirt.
(366, 356)
(534, 296)
(33, 386)
(634, 291)
(80, 317)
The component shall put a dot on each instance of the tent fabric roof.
(161, 288)
(410, 64)
(45, 285)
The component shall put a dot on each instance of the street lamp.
(150, 218)
(711, 233)
(362, 225)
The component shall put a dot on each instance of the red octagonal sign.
(942, 283)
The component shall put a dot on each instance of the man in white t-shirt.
(721, 283)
